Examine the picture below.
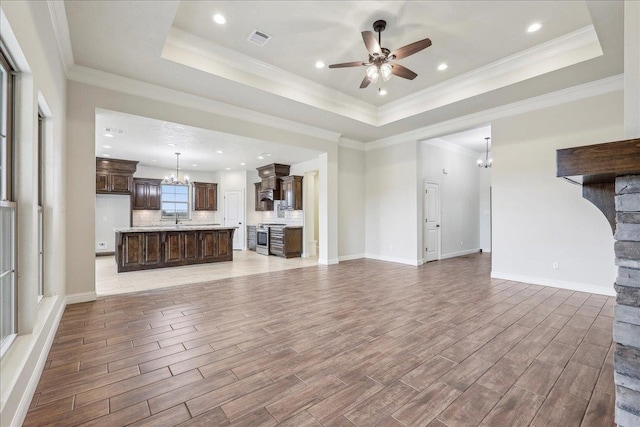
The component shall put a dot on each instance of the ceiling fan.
(380, 65)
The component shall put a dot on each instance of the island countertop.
(180, 227)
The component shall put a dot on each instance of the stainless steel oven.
(262, 240)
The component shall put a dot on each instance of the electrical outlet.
(555, 265)
(102, 245)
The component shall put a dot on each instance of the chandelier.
(487, 162)
(174, 179)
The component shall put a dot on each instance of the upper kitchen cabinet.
(292, 192)
(270, 175)
(146, 194)
(205, 196)
(114, 176)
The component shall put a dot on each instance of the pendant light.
(487, 162)
(175, 180)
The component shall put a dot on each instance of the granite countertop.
(170, 228)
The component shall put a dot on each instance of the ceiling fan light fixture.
(385, 71)
(372, 73)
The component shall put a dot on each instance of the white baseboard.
(414, 262)
(461, 253)
(351, 257)
(82, 297)
(325, 261)
(34, 377)
(573, 286)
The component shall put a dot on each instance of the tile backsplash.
(153, 218)
(290, 217)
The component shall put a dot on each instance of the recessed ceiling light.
(154, 160)
(260, 157)
(171, 144)
(228, 169)
(534, 27)
(442, 66)
(106, 155)
(194, 165)
(108, 135)
(219, 151)
(382, 92)
(106, 146)
(268, 154)
(319, 64)
(219, 19)
(242, 164)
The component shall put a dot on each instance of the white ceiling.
(472, 139)
(154, 143)
(492, 60)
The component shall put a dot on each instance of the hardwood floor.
(363, 343)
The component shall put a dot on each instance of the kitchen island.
(143, 248)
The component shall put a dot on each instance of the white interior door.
(234, 216)
(431, 221)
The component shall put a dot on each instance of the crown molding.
(195, 52)
(130, 86)
(450, 146)
(575, 93)
(61, 30)
(352, 143)
(569, 49)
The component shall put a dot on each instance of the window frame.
(7, 203)
(172, 216)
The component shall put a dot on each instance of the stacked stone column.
(626, 330)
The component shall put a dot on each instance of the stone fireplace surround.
(610, 176)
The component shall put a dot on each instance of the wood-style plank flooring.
(363, 343)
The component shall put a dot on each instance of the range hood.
(265, 195)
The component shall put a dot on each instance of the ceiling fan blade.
(404, 72)
(348, 64)
(365, 82)
(410, 49)
(372, 44)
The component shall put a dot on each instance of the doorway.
(432, 230)
(234, 216)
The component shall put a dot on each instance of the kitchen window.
(8, 299)
(175, 201)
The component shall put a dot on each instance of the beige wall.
(351, 199)
(539, 219)
(26, 31)
(391, 224)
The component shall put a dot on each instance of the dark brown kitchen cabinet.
(262, 205)
(270, 175)
(146, 194)
(215, 245)
(285, 242)
(140, 250)
(205, 196)
(114, 176)
(181, 247)
(292, 192)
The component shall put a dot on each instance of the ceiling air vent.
(259, 38)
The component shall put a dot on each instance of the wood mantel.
(595, 167)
